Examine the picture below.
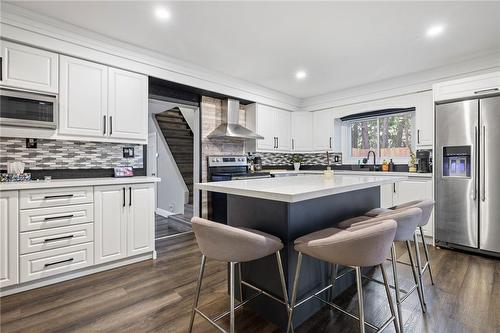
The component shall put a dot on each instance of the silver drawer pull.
(58, 217)
(58, 262)
(58, 196)
(58, 238)
(486, 90)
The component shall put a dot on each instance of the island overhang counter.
(290, 207)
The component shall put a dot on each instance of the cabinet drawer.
(56, 197)
(43, 218)
(51, 262)
(48, 239)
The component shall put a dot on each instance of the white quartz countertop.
(55, 183)
(294, 189)
(350, 172)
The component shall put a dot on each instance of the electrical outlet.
(171, 207)
(31, 143)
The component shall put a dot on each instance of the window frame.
(346, 129)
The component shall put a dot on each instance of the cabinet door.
(467, 87)
(29, 68)
(282, 126)
(323, 130)
(386, 195)
(425, 119)
(265, 127)
(110, 223)
(128, 105)
(9, 255)
(302, 131)
(83, 98)
(140, 226)
(415, 189)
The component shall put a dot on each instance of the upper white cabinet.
(29, 68)
(273, 124)
(425, 119)
(9, 232)
(471, 86)
(102, 103)
(128, 105)
(83, 98)
(302, 129)
(323, 124)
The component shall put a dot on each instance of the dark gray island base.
(289, 221)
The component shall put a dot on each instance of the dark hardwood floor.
(156, 296)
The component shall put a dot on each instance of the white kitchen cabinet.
(323, 129)
(128, 105)
(282, 125)
(9, 255)
(26, 67)
(124, 221)
(387, 195)
(425, 119)
(271, 123)
(467, 87)
(140, 224)
(302, 129)
(101, 103)
(110, 223)
(83, 98)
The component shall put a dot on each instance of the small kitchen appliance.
(424, 160)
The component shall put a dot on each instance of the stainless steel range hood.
(230, 127)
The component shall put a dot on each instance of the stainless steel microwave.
(27, 109)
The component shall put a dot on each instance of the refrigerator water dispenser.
(457, 161)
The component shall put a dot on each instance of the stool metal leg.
(294, 291)
(426, 251)
(241, 285)
(198, 289)
(389, 298)
(419, 265)
(415, 277)
(231, 295)
(335, 270)
(396, 285)
(283, 282)
(359, 285)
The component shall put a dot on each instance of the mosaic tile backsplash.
(55, 154)
(280, 159)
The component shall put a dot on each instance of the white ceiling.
(339, 44)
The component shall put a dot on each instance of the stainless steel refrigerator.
(467, 174)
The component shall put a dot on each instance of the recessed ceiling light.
(162, 13)
(300, 75)
(435, 30)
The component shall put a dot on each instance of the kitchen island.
(290, 207)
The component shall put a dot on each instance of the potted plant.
(296, 160)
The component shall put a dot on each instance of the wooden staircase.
(180, 140)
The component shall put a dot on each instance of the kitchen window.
(388, 132)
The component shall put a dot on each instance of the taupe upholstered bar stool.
(426, 206)
(234, 246)
(356, 248)
(407, 221)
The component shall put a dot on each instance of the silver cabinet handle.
(483, 162)
(330, 142)
(110, 125)
(486, 90)
(475, 163)
(418, 136)
(104, 121)
(277, 142)
(293, 145)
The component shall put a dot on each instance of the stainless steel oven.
(27, 109)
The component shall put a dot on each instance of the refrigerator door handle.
(483, 165)
(476, 172)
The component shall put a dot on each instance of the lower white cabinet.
(123, 223)
(415, 188)
(9, 257)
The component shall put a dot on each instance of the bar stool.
(356, 248)
(426, 206)
(234, 245)
(407, 221)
